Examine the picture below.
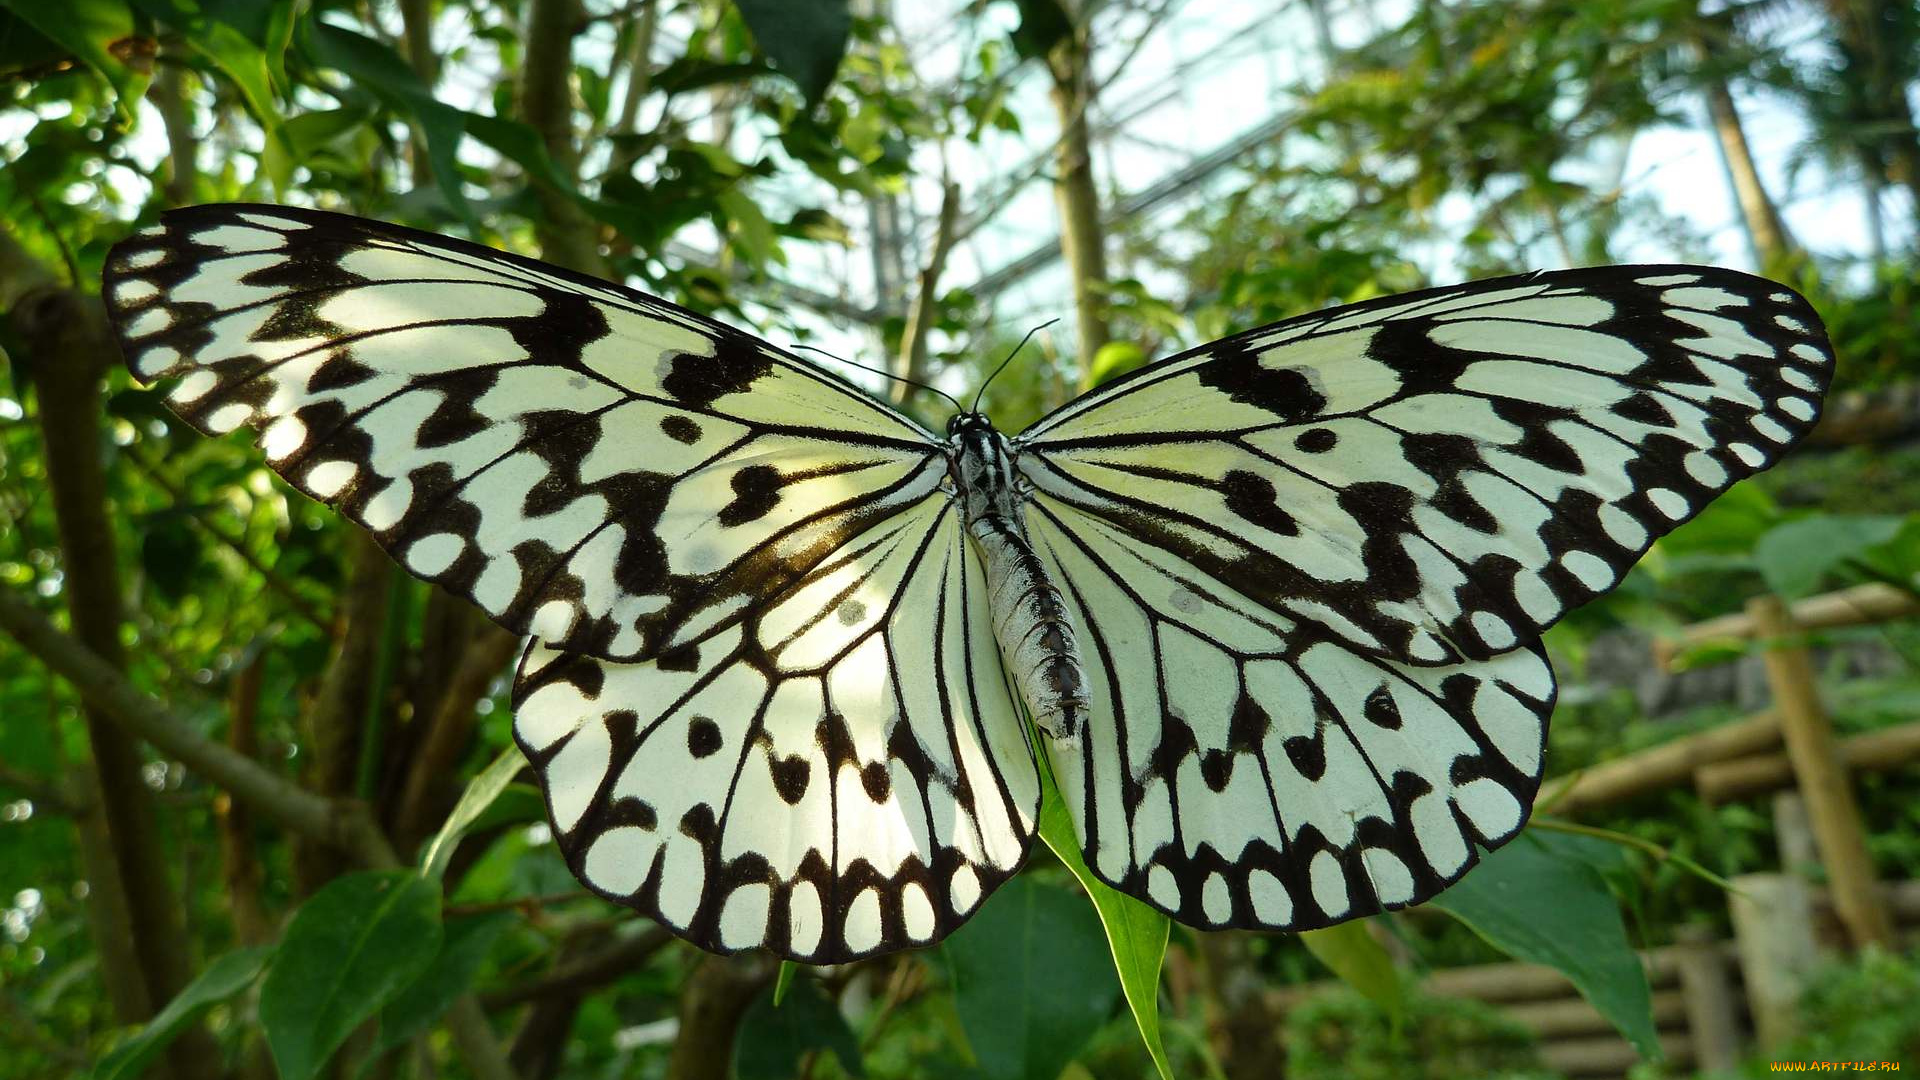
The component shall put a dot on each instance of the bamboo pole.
(1660, 766)
(1609, 1055)
(1574, 1017)
(1822, 777)
(1858, 606)
(1773, 931)
(1754, 774)
(1707, 996)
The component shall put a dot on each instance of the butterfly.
(1274, 604)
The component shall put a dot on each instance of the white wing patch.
(1439, 477)
(1244, 769)
(839, 774)
(588, 464)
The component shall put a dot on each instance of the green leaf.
(222, 979)
(98, 33)
(1358, 958)
(1114, 358)
(473, 802)
(1136, 933)
(1537, 899)
(804, 39)
(1032, 980)
(462, 951)
(772, 1037)
(1797, 556)
(349, 949)
(752, 234)
(784, 981)
(241, 60)
(379, 70)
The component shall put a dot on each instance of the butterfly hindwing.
(1247, 769)
(587, 463)
(1440, 476)
(841, 773)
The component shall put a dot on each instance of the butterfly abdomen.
(1030, 621)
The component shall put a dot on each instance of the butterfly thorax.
(1029, 615)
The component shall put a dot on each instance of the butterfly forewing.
(843, 772)
(1441, 476)
(587, 463)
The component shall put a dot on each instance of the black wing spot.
(1308, 753)
(703, 737)
(756, 490)
(790, 778)
(680, 430)
(699, 381)
(876, 780)
(1287, 393)
(1251, 496)
(1316, 440)
(679, 658)
(1380, 709)
(1216, 768)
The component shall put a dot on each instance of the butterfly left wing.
(839, 774)
(587, 463)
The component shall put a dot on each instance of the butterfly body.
(1030, 619)
(1275, 603)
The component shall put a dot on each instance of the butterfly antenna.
(888, 374)
(1008, 360)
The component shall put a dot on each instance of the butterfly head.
(962, 423)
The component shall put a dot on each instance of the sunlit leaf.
(100, 34)
(1353, 954)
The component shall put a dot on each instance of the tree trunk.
(1766, 232)
(1082, 240)
(138, 910)
(567, 235)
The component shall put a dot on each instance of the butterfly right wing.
(841, 773)
(589, 464)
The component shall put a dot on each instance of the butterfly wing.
(761, 694)
(1339, 539)
(588, 464)
(842, 773)
(1441, 476)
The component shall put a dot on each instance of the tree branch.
(277, 798)
(602, 967)
(912, 363)
(450, 729)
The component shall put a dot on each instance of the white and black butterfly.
(1275, 602)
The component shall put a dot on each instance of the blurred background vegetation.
(912, 185)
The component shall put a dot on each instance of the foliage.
(1433, 1038)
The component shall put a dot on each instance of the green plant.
(1346, 1035)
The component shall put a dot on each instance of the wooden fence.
(1714, 1001)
